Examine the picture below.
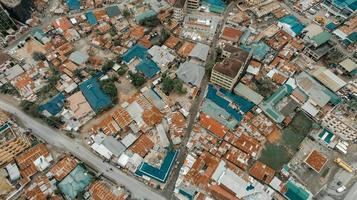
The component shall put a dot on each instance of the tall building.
(12, 142)
(7, 25)
(179, 10)
(227, 73)
(193, 4)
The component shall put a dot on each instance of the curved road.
(60, 140)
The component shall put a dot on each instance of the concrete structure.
(340, 8)
(338, 125)
(227, 73)
(179, 10)
(193, 4)
(191, 73)
(7, 25)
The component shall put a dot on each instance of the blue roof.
(159, 174)
(97, 99)
(331, 26)
(148, 67)
(295, 192)
(137, 51)
(91, 18)
(294, 23)
(112, 11)
(54, 105)
(74, 4)
(243, 105)
(260, 50)
(351, 4)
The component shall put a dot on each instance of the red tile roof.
(212, 125)
(62, 168)
(142, 145)
(262, 172)
(316, 160)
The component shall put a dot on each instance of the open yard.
(280, 152)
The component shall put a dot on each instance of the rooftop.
(262, 172)
(142, 145)
(186, 49)
(100, 190)
(212, 125)
(191, 73)
(97, 99)
(231, 66)
(79, 105)
(62, 168)
(316, 160)
(231, 34)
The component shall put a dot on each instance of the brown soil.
(274, 136)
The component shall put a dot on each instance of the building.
(179, 10)
(338, 125)
(12, 143)
(329, 79)
(193, 4)
(342, 8)
(227, 73)
(316, 161)
(317, 52)
(191, 73)
(7, 25)
(291, 25)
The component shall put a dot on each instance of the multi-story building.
(340, 8)
(227, 73)
(12, 142)
(338, 125)
(193, 4)
(7, 25)
(179, 10)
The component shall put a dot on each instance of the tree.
(122, 70)
(169, 85)
(113, 31)
(30, 108)
(151, 22)
(116, 42)
(53, 121)
(136, 79)
(165, 34)
(109, 88)
(126, 13)
(38, 56)
(7, 88)
(108, 66)
(265, 87)
(78, 73)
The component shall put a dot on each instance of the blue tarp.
(74, 4)
(97, 99)
(91, 18)
(159, 174)
(54, 105)
(294, 23)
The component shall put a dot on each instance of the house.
(328, 78)
(79, 106)
(200, 52)
(348, 66)
(227, 73)
(231, 34)
(191, 73)
(78, 57)
(291, 25)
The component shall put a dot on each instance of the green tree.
(126, 13)
(108, 66)
(136, 79)
(108, 86)
(122, 70)
(78, 73)
(169, 85)
(7, 88)
(165, 34)
(53, 121)
(30, 108)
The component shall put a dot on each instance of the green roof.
(75, 182)
(145, 15)
(321, 38)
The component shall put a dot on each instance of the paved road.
(169, 190)
(60, 140)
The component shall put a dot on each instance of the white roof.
(253, 70)
(42, 162)
(13, 171)
(164, 141)
(161, 56)
(329, 79)
(191, 73)
(102, 150)
(276, 184)
(123, 160)
(348, 65)
(129, 139)
(13, 72)
(309, 108)
(200, 51)
(135, 111)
